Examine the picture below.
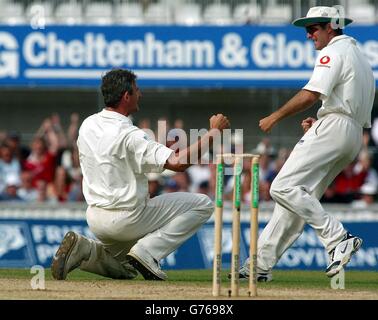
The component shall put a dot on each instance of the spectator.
(182, 180)
(204, 188)
(144, 123)
(198, 174)
(52, 132)
(369, 188)
(41, 161)
(162, 130)
(176, 137)
(268, 171)
(9, 166)
(265, 166)
(68, 176)
(265, 147)
(11, 186)
(283, 154)
(76, 191)
(347, 184)
(73, 129)
(171, 186)
(368, 193)
(3, 136)
(179, 124)
(70, 163)
(27, 192)
(61, 185)
(329, 194)
(44, 192)
(264, 193)
(363, 165)
(13, 141)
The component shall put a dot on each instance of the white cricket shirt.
(345, 80)
(114, 157)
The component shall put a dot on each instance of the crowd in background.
(49, 171)
(46, 171)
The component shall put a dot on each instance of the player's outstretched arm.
(300, 102)
(181, 161)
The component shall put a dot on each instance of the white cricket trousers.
(324, 151)
(159, 228)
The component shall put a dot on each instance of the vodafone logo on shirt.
(325, 60)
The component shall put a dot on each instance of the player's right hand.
(307, 123)
(219, 122)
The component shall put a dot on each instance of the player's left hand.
(307, 124)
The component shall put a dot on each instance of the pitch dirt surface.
(187, 285)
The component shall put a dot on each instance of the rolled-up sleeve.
(148, 155)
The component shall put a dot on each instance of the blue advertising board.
(28, 242)
(166, 56)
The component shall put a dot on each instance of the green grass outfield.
(356, 280)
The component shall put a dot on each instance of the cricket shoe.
(261, 276)
(72, 251)
(148, 266)
(342, 253)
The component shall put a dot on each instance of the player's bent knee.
(208, 205)
(275, 192)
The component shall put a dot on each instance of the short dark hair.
(114, 85)
(338, 32)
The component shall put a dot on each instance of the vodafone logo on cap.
(325, 60)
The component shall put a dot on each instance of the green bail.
(219, 193)
(255, 189)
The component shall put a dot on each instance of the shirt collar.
(338, 38)
(114, 115)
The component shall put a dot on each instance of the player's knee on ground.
(124, 276)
